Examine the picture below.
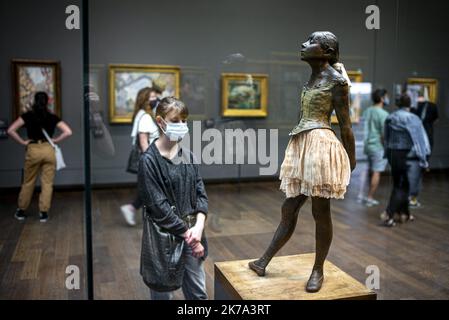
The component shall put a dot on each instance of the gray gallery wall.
(199, 36)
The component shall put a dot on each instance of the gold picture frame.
(355, 77)
(431, 85)
(31, 76)
(125, 80)
(244, 95)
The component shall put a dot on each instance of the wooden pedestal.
(285, 279)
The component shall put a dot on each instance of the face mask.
(386, 102)
(154, 103)
(176, 131)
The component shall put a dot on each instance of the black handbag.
(162, 259)
(134, 157)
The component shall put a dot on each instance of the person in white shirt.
(144, 132)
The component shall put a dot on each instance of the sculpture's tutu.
(316, 165)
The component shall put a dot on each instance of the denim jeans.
(194, 282)
(414, 172)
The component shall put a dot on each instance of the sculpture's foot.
(257, 267)
(315, 281)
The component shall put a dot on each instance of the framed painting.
(244, 95)
(426, 87)
(358, 92)
(31, 76)
(125, 81)
(196, 85)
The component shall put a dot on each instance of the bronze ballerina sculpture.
(316, 163)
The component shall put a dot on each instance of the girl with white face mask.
(175, 130)
(175, 200)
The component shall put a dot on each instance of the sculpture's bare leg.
(290, 210)
(323, 235)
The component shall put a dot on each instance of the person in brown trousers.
(40, 156)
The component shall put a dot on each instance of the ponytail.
(40, 106)
(341, 69)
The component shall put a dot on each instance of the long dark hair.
(40, 106)
(142, 101)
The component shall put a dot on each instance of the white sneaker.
(371, 202)
(414, 204)
(129, 214)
